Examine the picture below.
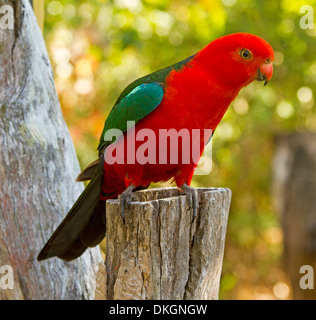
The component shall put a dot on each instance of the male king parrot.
(191, 94)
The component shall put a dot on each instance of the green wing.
(137, 104)
(138, 99)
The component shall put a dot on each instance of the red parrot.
(189, 95)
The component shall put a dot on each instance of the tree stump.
(38, 169)
(158, 253)
(294, 192)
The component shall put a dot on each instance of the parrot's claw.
(126, 199)
(187, 190)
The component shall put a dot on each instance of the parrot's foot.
(126, 199)
(195, 198)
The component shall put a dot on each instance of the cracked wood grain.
(158, 254)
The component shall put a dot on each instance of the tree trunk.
(158, 253)
(38, 168)
(294, 191)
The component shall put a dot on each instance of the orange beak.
(265, 72)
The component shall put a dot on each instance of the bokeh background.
(98, 47)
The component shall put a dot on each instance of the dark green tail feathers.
(89, 171)
(83, 226)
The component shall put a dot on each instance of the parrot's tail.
(84, 225)
(90, 170)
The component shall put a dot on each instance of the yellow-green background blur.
(98, 47)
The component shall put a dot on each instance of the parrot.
(192, 94)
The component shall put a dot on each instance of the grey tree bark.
(294, 192)
(38, 168)
(158, 253)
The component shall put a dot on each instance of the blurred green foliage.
(99, 47)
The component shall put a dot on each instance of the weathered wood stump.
(294, 192)
(158, 253)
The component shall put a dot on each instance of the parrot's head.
(238, 59)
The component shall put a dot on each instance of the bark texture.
(38, 168)
(158, 253)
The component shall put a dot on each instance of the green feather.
(135, 106)
(137, 100)
(66, 237)
(157, 76)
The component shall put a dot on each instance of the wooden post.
(158, 253)
(294, 192)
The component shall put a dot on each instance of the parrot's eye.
(245, 54)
